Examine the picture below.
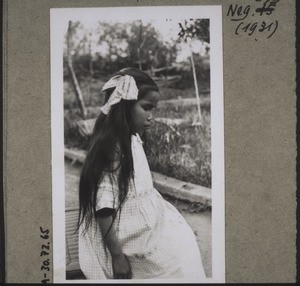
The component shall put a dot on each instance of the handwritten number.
(46, 263)
(46, 231)
(268, 7)
(263, 26)
(253, 28)
(45, 235)
(45, 246)
(44, 253)
(45, 268)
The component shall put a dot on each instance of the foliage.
(72, 137)
(106, 47)
(91, 88)
(183, 151)
(122, 45)
(195, 28)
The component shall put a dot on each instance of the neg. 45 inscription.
(245, 24)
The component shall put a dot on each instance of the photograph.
(149, 142)
(137, 144)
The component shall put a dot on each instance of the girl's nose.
(150, 117)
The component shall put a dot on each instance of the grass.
(182, 152)
(90, 88)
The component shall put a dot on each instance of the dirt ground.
(199, 220)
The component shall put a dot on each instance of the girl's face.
(142, 111)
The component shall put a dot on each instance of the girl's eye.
(147, 107)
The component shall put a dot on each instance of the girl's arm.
(120, 263)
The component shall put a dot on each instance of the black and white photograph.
(137, 144)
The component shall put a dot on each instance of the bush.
(184, 151)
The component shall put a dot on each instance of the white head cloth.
(125, 88)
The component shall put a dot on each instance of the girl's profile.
(126, 229)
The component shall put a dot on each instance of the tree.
(74, 80)
(109, 46)
(195, 29)
(189, 30)
(143, 42)
(114, 36)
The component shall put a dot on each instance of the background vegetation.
(94, 52)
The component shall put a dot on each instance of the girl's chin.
(140, 132)
(143, 130)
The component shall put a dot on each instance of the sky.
(168, 29)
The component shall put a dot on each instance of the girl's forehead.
(151, 97)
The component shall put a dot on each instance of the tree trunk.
(140, 58)
(91, 68)
(196, 87)
(139, 49)
(74, 80)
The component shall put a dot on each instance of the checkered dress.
(152, 233)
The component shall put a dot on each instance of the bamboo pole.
(196, 87)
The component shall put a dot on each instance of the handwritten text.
(44, 253)
(244, 16)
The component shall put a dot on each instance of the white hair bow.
(125, 88)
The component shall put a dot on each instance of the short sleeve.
(108, 188)
(108, 192)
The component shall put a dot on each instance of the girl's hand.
(121, 267)
(120, 264)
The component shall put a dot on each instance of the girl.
(127, 230)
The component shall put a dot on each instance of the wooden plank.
(72, 242)
(169, 121)
(166, 185)
(182, 190)
(86, 127)
(75, 154)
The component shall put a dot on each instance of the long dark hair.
(110, 131)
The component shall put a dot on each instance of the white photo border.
(59, 18)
